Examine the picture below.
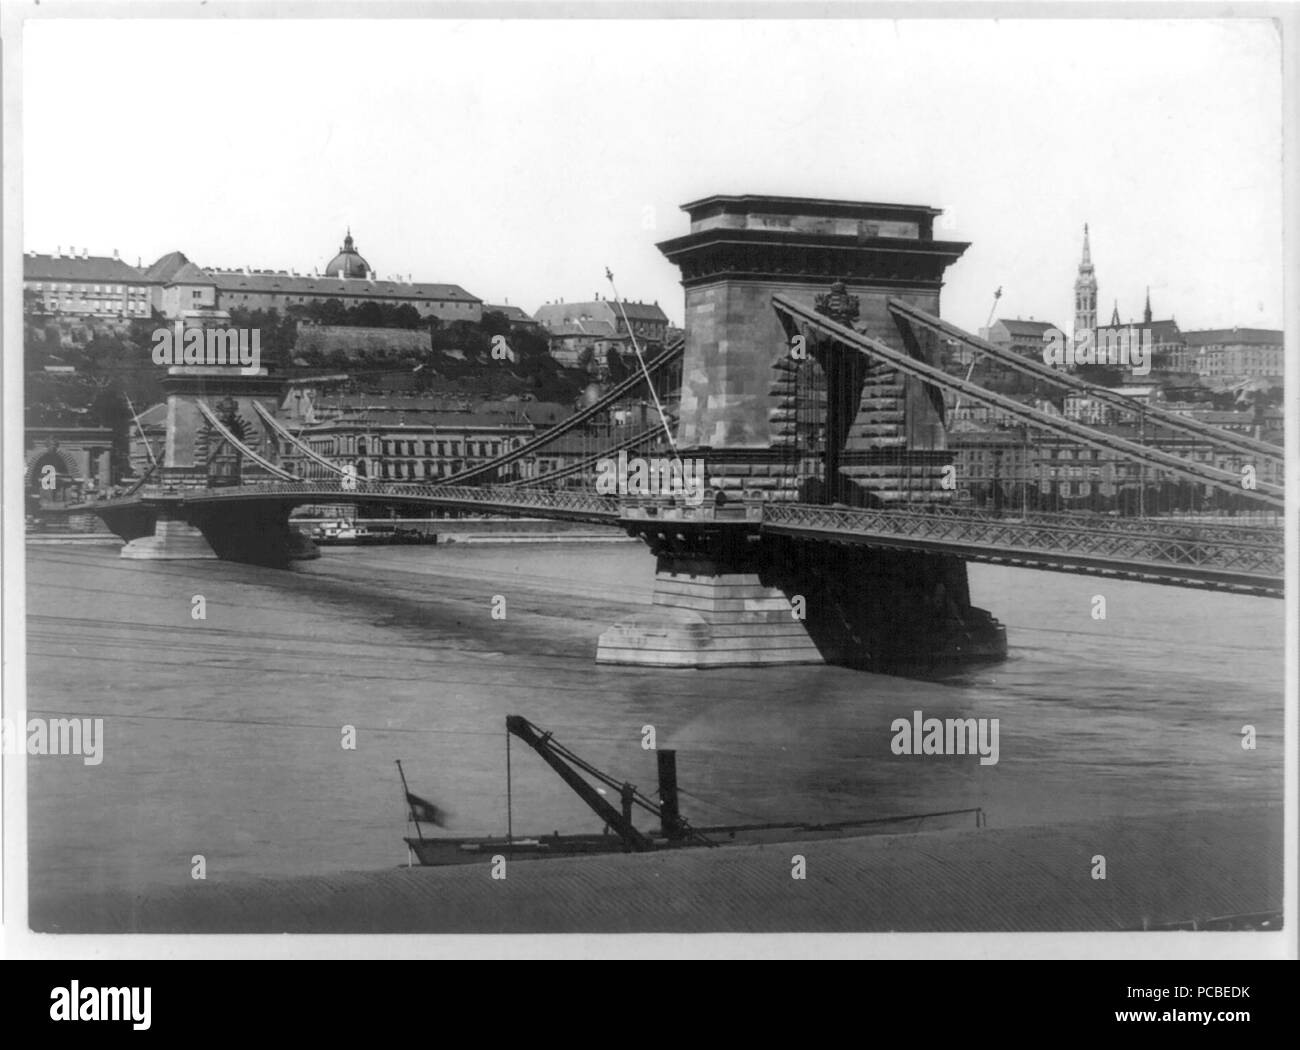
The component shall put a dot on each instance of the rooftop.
(165, 268)
(511, 313)
(425, 420)
(1161, 331)
(37, 267)
(1019, 327)
(238, 280)
(1234, 337)
(600, 311)
(758, 202)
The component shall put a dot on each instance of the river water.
(223, 737)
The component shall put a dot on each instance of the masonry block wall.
(738, 401)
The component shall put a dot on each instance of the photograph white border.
(19, 941)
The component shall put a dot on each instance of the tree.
(369, 315)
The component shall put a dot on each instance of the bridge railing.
(1265, 530)
(1247, 555)
(473, 497)
(1158, 546)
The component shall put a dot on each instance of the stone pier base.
(171, 541)
(705, 616)
(732, 603)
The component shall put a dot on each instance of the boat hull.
(440, 852)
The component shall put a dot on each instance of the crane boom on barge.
(674, 831)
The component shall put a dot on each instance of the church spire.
(1146, 312)
(1085, 290)
(1114, 315)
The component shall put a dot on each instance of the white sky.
(518, 159)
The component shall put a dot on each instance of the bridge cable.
(555, 475)
(1172, 420)
(301, 446)
(226, 433)
(794, 313)
(672, 443)
(670, 354)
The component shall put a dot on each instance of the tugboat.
(621, 835)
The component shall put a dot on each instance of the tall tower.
(1146, 311)
(1085, 290)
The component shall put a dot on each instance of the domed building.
(348, 279)
(348, 262)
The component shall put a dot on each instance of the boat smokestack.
(670, 814)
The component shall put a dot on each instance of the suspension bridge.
(813, 384)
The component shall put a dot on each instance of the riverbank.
(448, 530)
(76, 539)
(1173, 869)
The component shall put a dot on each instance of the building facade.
(644, 320)
(413, 446)
(411, 438)
(1018, 469)
(1237, 353)
(584, 344)
(79, 284)
(83, 285)
(1165, 341)
(518, 319)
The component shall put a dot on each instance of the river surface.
(223, 736)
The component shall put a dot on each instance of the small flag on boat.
(424, 811)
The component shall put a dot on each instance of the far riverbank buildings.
(94, 286)
(1221, 354)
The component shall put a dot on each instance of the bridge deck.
(1213, 556)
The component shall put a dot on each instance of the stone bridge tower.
(860, 434)
(884, 439)
(195, 455)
